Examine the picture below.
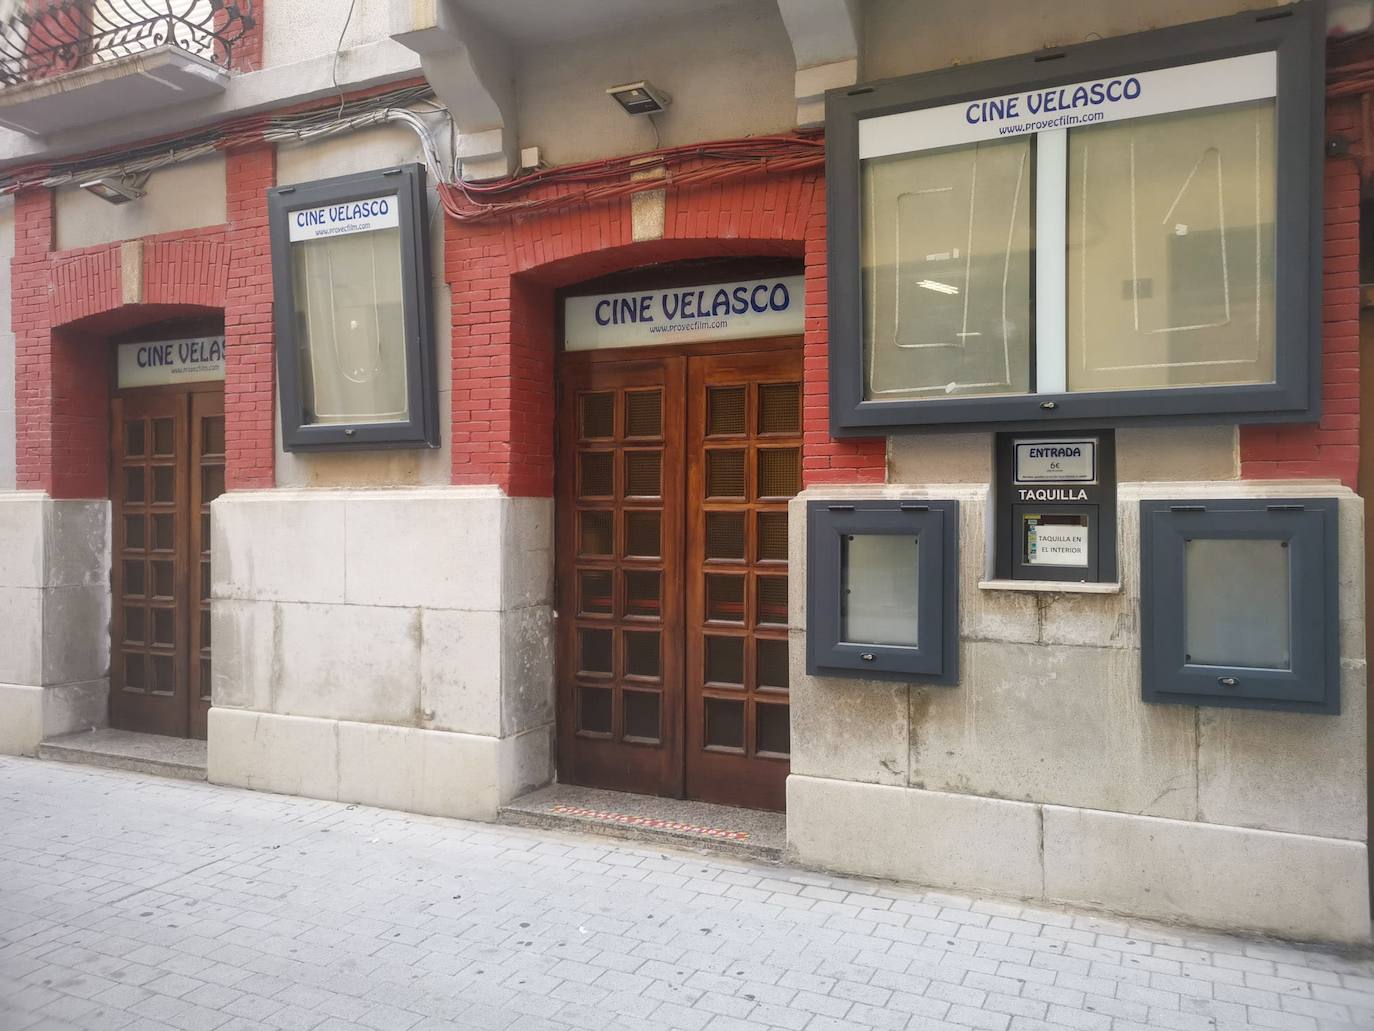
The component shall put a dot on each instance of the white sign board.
(354, 216)
(164, 362)
(1231, 80)
(1056, 461)
(720, 311)
(1056, 545)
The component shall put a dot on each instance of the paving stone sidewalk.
(132, 901)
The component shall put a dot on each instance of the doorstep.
(183, 758)
(717, 828)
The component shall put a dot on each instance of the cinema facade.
(958, 454)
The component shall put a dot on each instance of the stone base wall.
(393, 647)
(54, 618)
(1044, 775)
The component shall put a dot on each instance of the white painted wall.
(296, 30)
(729, 73)
(345, 155)
(179, 197)
(7, 404)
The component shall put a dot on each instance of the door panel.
(149, 495)
(744, 463)
(619, 538)
(168, 465)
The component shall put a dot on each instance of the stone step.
(183, 758)
(670, 821)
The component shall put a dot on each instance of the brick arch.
(503, 275)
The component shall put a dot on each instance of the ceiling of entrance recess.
(540, 21)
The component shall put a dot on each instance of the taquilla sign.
(718, 311)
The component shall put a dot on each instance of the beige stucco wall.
(901, 37)
(345, 155)
(296, 30)
(183, 196)
(729, 73)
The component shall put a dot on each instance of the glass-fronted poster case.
(350, 264)
(1122, 229)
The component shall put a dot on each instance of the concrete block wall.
(392, 647)
(1043, 774)
(54, 618)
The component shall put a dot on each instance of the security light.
(117, 189)
(639, 98)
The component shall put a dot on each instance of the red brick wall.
(1330, 449)
(248, 374)
(67, 302)
(503, 275)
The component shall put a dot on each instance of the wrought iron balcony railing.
(49, 37)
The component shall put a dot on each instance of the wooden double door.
(167, 466)
(674, 477)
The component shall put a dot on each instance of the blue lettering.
(603, 320)
(740, 303)
(671, 310)
(689, 306)
(1114, 90)
(971, 114)
(645, 315)
(754, 302)
(775, 302)
(720, 304)
(1096, 92)
(1127, 92)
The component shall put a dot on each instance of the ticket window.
(1056, 507)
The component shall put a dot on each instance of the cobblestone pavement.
(131, 901)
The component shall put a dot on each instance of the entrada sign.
(1072, 460)
(719, 311)
(162, 362)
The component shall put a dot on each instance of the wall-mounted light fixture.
(639, 98)
(117, 189)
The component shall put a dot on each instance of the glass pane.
(350, 327)
(594, 709)
(595, 474)
(595, 536)
(1236, 603)
(205, 624)
(780, 408)
(162, 532)
(725, 535)
(594, 592)
(212, 435)
(724, 660)
(725, 723)
(162, 627)
(211, 483)
(598, 415)
(946, 254)
(725, 411)
(1171, 250)
(162, 579)
(134, 625)
(772, 536)
(771, 663)
(133, 532)
(725, 598)
(205, 680)
(133, 438)
(133, 486)
(205, 582)
(642, 538)
(164, 483)
(164, 440)
(725, 474)
(642, 473)
(164, 680)
(779, 472)
(135, 578)
(642, 593)
(644, 413)
(594, 651)
(772, 600)
(134, 673)
(879, 589)
(641, 653)
(641, 715)
(772, 728)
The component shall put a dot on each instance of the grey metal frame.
(935, 659)
(1309, 526)
(1297, 34)
(407, 183)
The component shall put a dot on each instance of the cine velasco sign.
(679, 315)
(165, 362)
